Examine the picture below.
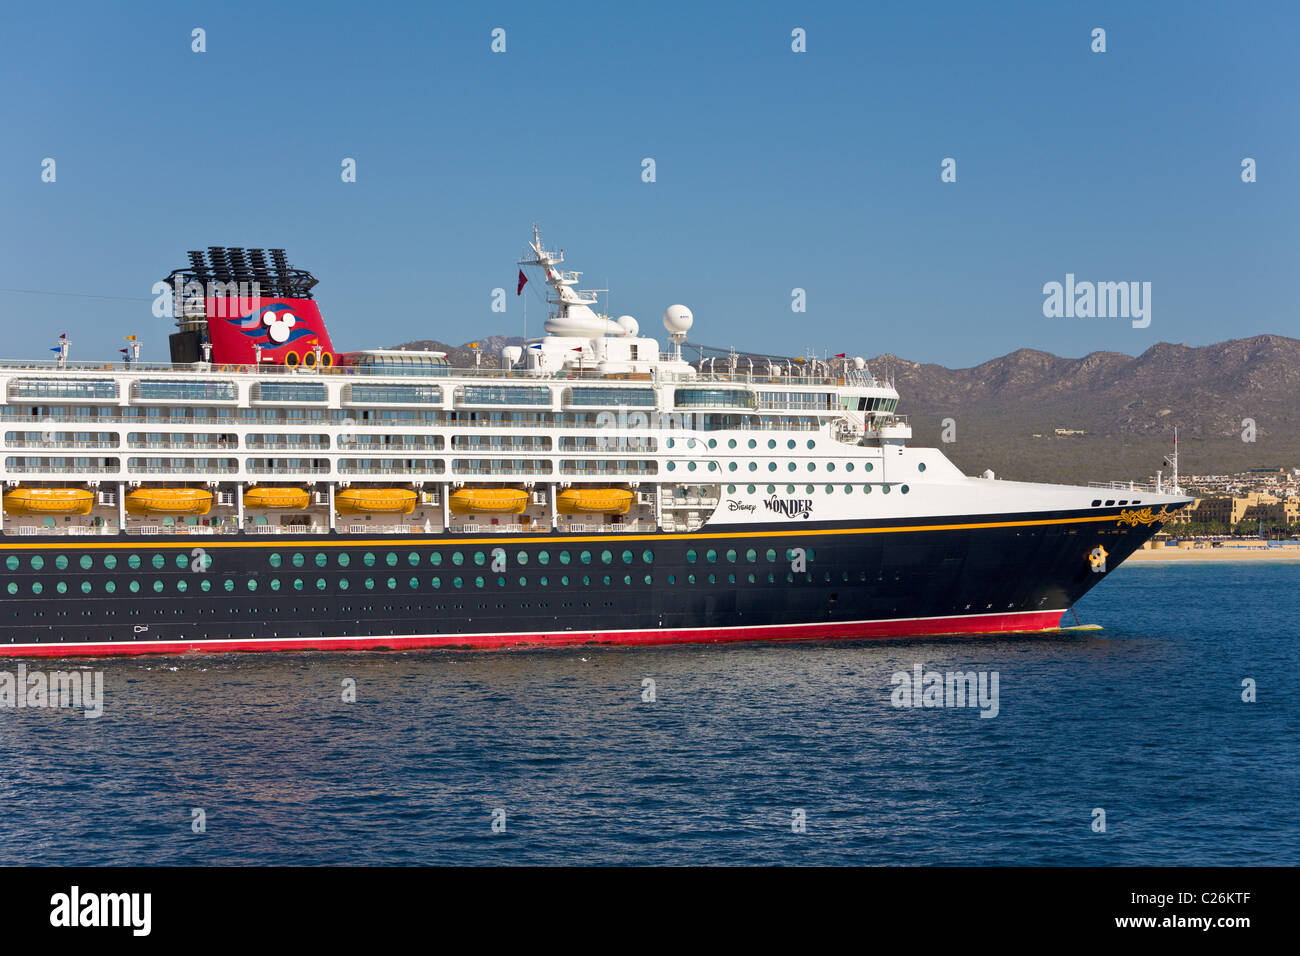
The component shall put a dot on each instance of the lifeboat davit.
(609, 501)
(361, 501)
(283, 499)
(169, 501)
(488, 501)
(49, 501)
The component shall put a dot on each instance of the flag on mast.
(523, 280)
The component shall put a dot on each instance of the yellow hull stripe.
(214, 542)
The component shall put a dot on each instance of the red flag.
(840, 355)
(523, 280)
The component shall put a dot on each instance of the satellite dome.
(859, 362)
(678, 319)
(628, 324)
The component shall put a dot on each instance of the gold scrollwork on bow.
(1143, 517)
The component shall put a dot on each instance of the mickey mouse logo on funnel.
(279, 325)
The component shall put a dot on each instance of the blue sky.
(775, 170)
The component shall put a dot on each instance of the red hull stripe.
(1020, 622)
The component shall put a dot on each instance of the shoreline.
(1216, 555)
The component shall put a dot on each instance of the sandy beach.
(1191, 555)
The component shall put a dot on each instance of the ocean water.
(1144, 720)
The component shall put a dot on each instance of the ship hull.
(967, 575)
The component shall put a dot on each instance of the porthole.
(884, 489)
(627, 557)
(252, 584)
(110, 587)
(866, 489)
(672, 466)
(830, 489)
(869, 466)
(672, 442)
(320, 584)
(543, 581)
(37, 587)
(205, 585)
(344, 560)
(436, 583)
(321, 559)
(133, 562)
(791, 466)
(368, 559)
(565, 557)
(585, 557)
(771, 466)
(731, 556)
(110, 561)
(771, 443)
(343, 584)
(731, 466)
(752, 443)
(521, 558)
(61, 562)
(183, 560)
(228, 584)
(848, 489)
(436, 559)
(390, 559)
(392, 584)
(731, 443)
(750, 489)
(830, 466)
(606, 557)
(12, 588)
(369, 584)
(275, 584)
(808, 489)
(771, 555)
(648, 557)
(457, 582)
(790, 443)
(713, 443)
(12, 563)
(297, 584)
(690, 466)
(158, 561)
(713, 466)
(478, 582)
(848, 466)
(457, 558)
(299, 560)
(921, 467)
(811, 443)
(86, 562)
(711, 555)
(480, 558)
(543, 557)
(275, 560)
(905, 489)
(691, 556)
(85, 586)
(753, 466)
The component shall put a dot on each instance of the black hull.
(972, 574)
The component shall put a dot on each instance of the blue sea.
(749, 754)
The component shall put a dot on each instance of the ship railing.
(1126, 486)
(758, 376)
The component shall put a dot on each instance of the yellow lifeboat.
(360, 501)
(49, 501)
(283, 499)
(488, 501)
(610, 501)
(169, 501)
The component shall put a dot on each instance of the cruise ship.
(265, 491)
